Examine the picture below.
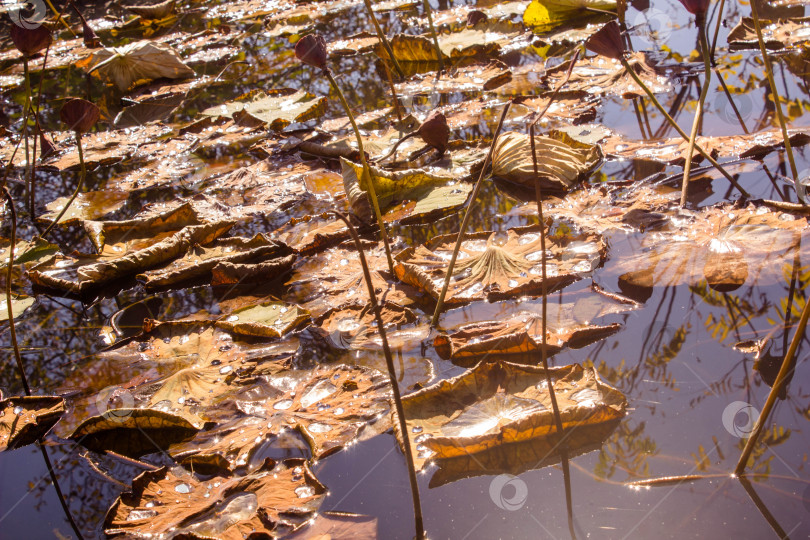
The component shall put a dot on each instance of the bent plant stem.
(681, 132)
(392, 375)
(439, 55)
(366, 171)
(79, 185)
(774, 93)
(784, 371)
(62, 501)
(707, 70)
(383, 39)
(466, 219)
(26, 113)
(12, 330)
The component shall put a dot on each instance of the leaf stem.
(677, 128)
(439, 55)
(774, 93)
(466, 219)
(78, 189)
(12, 330)
(366, 170)
(383, 39)
(787, 366)
(707, 70)
(392, 375)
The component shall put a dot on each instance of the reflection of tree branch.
(780, 532)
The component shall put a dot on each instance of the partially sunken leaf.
(25, 419)
(158, 10)
(173, 502)
(498, 265)
(779, 34)
(355, 327)
(518, 330)
(561, 160)
(18, 305)
(546, 14)
(25, 252)
(466, 43)
(431, 193)
(471, 78)
(137, 61)
(499, 403)
(274, 111)
(87, 205)
(135, 432)
(268, 319)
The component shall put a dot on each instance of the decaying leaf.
(518, 330)
(561, 160)
(87, 205)
(498, 265)
(466, 43)
(19, 303)
(25, 419)
(473, 77)
(354, 326)
(173, 502)
(779, 34)
(273, 111)
(499, 403)
(137, 61)
(200, 261)
(431, 194)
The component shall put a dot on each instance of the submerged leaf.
(25, 419)
(546, 14)
(268, 319)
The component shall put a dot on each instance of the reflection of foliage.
(802, 280)
(702, 461)
(740, 311)
(627, 450)
(758, 463)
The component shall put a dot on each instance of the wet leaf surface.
(137, 61)
(275, 112)
(25, 419)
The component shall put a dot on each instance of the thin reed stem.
(774, 93)
(707, 73)
(366, 170)
(681, 132)
(439, 55)
(440, 302)
(788, 365)
(392, 375)
(79, 184)
(10, 268)
(383, 39)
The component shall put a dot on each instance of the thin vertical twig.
(440, 302)
(383, 39)
(707, 73)
(392, 375)
(12, 330)
(439, 55)
(79, 184)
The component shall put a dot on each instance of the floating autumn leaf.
(561, 160)
(544, 15)
(779, 34)
(498, 403)
(227, 273)
(200, 261)
(498, 265)
(88, 205)
(268, 319)
(135, 432)
(137, 61)
(171, 502)
(338, 526)
(518, 328)
(158, 10)
(25, 419)
(25, 252)
(466, 43)
(430, 195)
(274, 111)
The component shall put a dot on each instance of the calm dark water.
(674, 360)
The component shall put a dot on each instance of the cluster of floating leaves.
(234, 398)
